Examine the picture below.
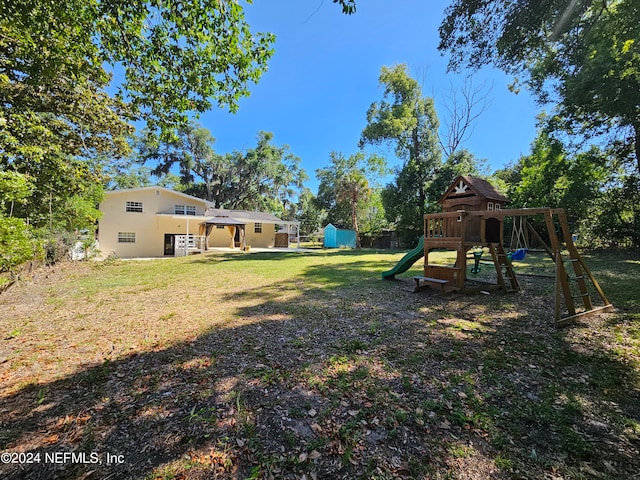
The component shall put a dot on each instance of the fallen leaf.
(314, 455)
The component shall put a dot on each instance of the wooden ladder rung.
(582, 295)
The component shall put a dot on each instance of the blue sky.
(324, 74)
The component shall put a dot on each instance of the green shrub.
(17, 244)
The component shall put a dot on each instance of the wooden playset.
(473, 217)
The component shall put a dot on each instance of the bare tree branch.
(463, 106)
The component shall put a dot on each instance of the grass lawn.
(307, 365)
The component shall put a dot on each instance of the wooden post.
(561, 273)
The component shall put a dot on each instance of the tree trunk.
(636, 143)
(354, 218)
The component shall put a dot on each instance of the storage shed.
(339, 238)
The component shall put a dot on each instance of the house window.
(220, 227)
(498, 207)
(184, 209)
(126, 237)
(133, 207)
(489, 205)
(257, 228)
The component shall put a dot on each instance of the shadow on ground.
(348, 377)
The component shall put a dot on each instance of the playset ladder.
(571, 285)
(500, 260)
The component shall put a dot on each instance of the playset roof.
(478, 186)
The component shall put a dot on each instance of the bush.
(57, 246)
(17, 244)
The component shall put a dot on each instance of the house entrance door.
(169, 244)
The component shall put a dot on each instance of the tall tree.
(373, 220)
(16, 242)
(191, 149)
(345, 187)
(551, 176)
(311, 217)
(265, 178)
(582, 55)
(408, 120)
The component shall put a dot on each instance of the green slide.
(407, 261)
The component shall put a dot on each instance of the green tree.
(191, 149)
(550, 176)
(127, 174)
(14, 188)
(175, 57)
(373, 220)
(613, 216)
(407, 120)
(311, 217)
(583, 56)
(17, 244)
(345, 187)
(266, 177)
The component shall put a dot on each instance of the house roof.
(478, 186)
(223, 220)
(244, 216)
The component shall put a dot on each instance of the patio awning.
(221, 220)
(224, 220)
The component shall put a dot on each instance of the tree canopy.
(583, 56)
(407, 120)
(347, 186)
(168, 58)
(266, 177)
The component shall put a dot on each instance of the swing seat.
(519, 254)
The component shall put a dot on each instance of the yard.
(290, 365)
